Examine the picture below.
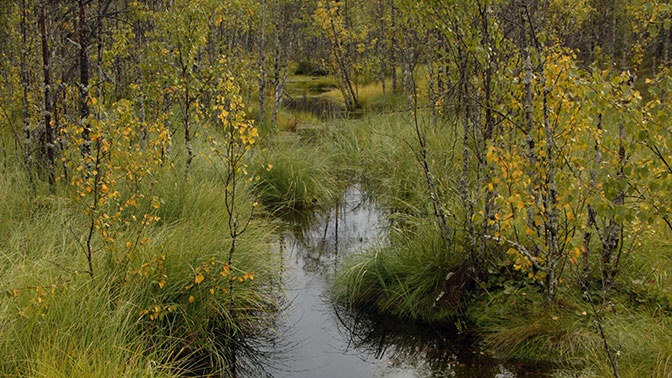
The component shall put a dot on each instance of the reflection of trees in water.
(321, 237)
(322, 107)
(399, 343)
(301, 239)
(313, 245)
(257, 353)
(430, 351)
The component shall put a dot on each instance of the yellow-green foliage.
(160, 247)
(112, 173)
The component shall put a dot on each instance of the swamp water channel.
(318, 339)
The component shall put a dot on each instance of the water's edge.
(319, 339)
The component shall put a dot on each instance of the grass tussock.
(71, 329)
(415, 278)
(292, 178)
(641, 343)
(514, 323)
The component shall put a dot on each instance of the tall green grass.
(415, 278)
(55, 321)
(292, 177)
(381, 149)
(75, 329)
(203, 315)
(642, 344)
(163, 306)
(514, 324)
(408, 278)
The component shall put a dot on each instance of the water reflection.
(415, 351)
(319, 339)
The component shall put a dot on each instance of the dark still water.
(318, 339)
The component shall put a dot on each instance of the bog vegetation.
(147, 148)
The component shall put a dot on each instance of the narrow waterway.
(317, 339)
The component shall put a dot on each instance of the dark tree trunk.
(48, 135)
(262, 64)
(27, 140)
(281, 58)
(393, 48)
(84, 79)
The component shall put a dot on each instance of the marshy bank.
(150, 153)
(320, 337)
(162, 306)
(166, 299)
(409, 278)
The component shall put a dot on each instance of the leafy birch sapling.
(112, 184)
(240, 135)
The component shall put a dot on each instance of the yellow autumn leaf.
(199, 278)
